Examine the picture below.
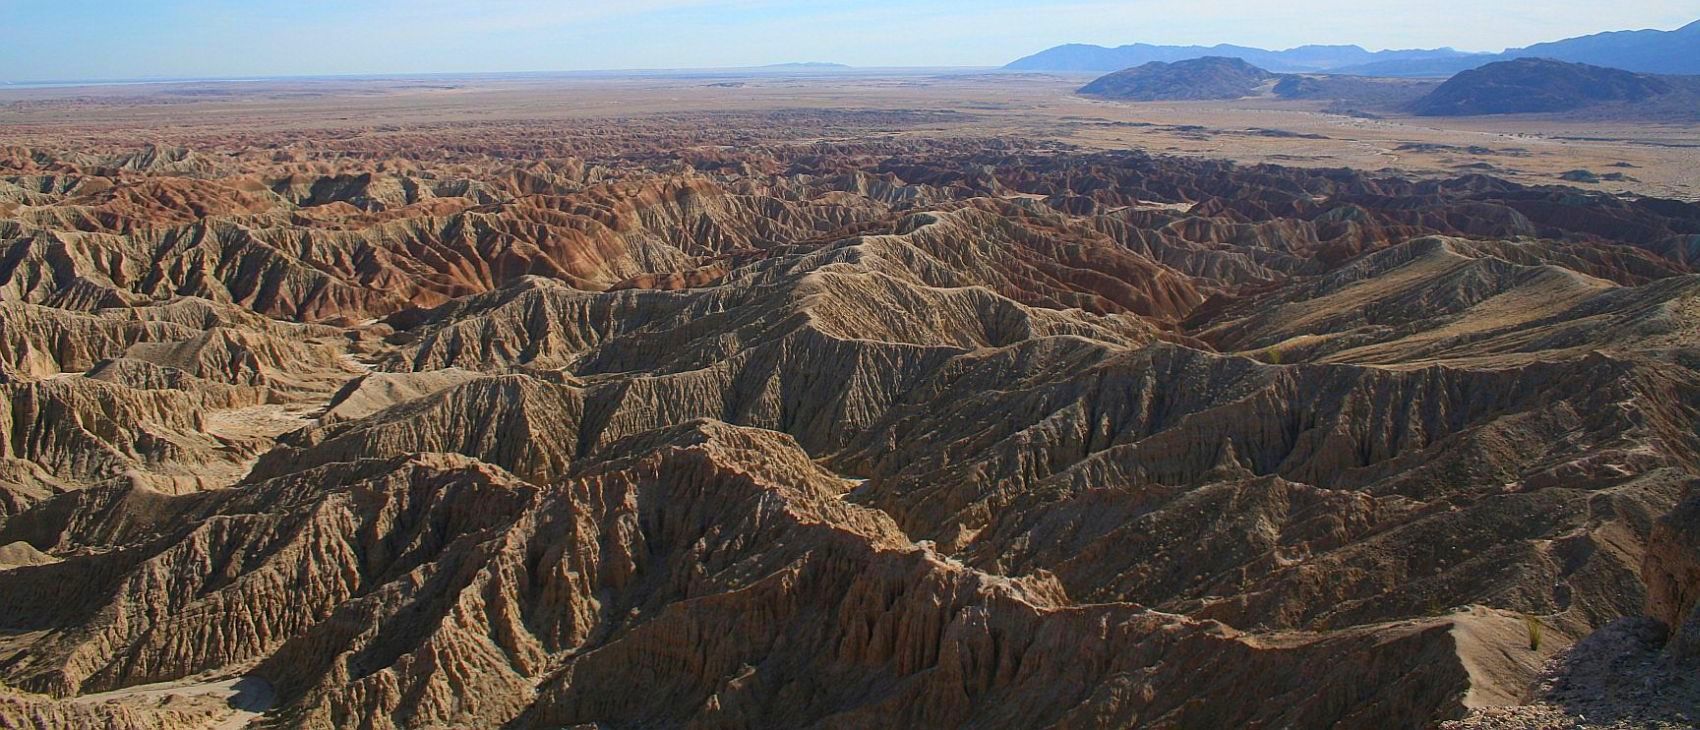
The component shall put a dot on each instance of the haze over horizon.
(83, 40)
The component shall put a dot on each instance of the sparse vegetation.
(1533, 625)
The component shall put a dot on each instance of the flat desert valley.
(1660, 157)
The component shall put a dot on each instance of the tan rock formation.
(862, 433)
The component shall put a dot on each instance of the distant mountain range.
(807, 65)
(1304, 59)
(1643, 51)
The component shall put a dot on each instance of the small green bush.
(1533, 625)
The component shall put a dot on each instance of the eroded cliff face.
(841, 435)
(1672, 572)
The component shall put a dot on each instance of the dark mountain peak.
(1218, 62)
(1536, 85)
(1211, 77)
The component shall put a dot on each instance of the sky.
(129, 39)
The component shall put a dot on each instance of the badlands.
(919, 400)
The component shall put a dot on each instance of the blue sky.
(106, 39)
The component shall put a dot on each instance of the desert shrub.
(1532, 624)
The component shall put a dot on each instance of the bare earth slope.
(874, 431)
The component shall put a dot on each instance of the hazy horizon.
(174, 39)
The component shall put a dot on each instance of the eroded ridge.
(796, 433)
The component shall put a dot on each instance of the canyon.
(825, 415)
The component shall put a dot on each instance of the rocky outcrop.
(1672, 573)
(1535, 85)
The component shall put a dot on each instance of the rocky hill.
(485, 429)
(1208, 79)
(1199, 79)
(1528, 86)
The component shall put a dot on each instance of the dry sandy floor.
(1655, 158)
